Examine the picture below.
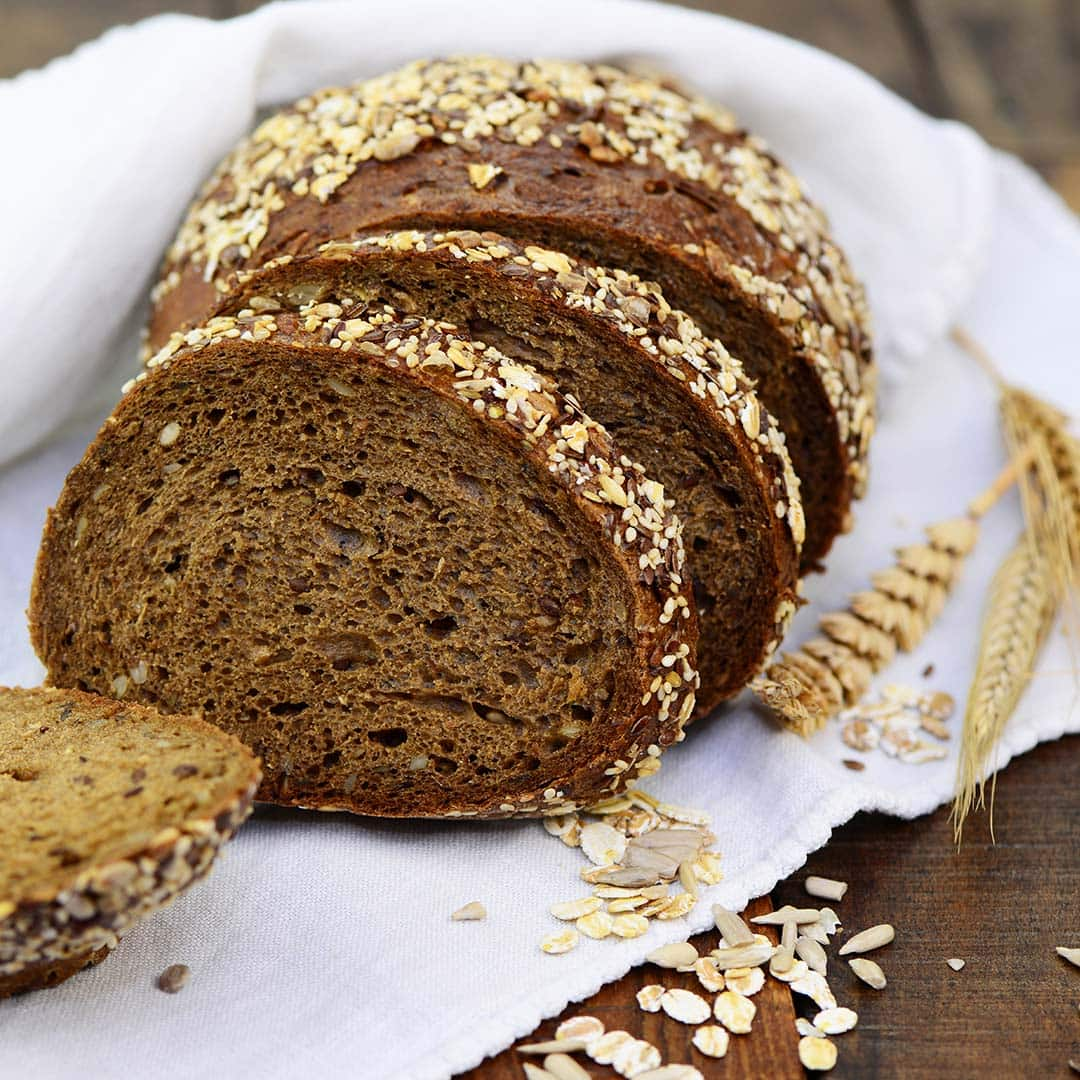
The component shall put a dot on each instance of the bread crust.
(535, 422)
(586, 160)
(49, 934)
(632, 319)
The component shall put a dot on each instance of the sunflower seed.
(624, 876)
(826, 888)
(787, 914)
(470, 912)
(556, 944)
(648, 997)
(835, 1021)
(868, 940)
(735, 1012)
(597, 925)
(811, 951)
(814, 986)
(635, 1057)
(869, 972)
(745, 981)
(690, 840)
(816, 1053)
(712, 1040)
(1072, 955)
(655, 859)
(574, 909)
(687, 878)
(955, 963)
(602, 845)
(552, 1046)
(174, 978)
(564, 1067)
(785, 958)
(685, 1006)
(732, 929)
(677, 954)
(534, 1072)
(604, 1049)
(743, 956)
(583, 1028)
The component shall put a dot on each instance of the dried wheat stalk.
(1021, 608)
(806, 687)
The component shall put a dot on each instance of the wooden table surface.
(1011, 69)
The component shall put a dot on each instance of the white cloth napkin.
(322, 944)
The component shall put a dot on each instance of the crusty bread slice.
(396, 563)
(589, 160)
(670, 398)
(108, 811)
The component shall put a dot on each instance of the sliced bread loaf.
(108, 811)
(396, 563)
(613, 168)
(671, 399)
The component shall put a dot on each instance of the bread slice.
(609, 167)
(396, 563)
(109, 811)
(670, 398)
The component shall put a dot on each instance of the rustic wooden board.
(771, 1048)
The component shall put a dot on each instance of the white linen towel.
(322, 944)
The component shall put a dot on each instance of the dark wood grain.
(771, 1047)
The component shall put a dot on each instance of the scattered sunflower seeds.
(552, 1046)
(1072, 955)
(735, 1012)
(564, 1067)
(869, 972)
(825, 888)
(174, 978)
(677, 954)
(732, 929)
(811, 951)
(787, 914)
(816, 1053)
(868, 940)
(685, 1006)
(712, 1040)
(955, 963)
(742, 956)
(470, 912)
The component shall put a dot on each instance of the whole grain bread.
(671, 399)
(610, 167)
(108, 811)
(395, 562)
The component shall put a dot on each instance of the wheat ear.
(807, 687)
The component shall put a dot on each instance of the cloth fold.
(322, 944)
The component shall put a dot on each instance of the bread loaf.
(671, 399)
(396, 563)
(602, 165)
(109, 811)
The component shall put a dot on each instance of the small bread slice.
(108, 811)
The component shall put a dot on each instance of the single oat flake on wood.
(817, 1054)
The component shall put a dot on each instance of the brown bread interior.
(740, 555)
(86, 781)
(379, 591)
